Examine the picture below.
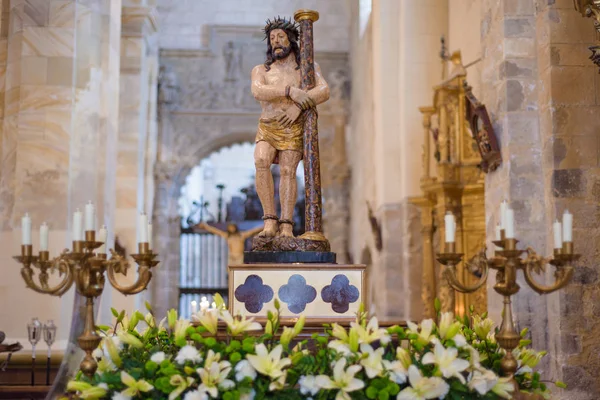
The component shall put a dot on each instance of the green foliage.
(167, 364)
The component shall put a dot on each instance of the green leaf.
(437, 305)
(560, 384)
(148, 307)
(114, 312)
(524, 332)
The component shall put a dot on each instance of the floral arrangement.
(453, 359)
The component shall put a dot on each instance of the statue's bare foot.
(286, 230)
(270, 229)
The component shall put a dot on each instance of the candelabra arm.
(117, 264)
(450, 259)
(450, 275)
(43, 264)
(537, 264)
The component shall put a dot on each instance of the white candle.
(557, 227)
(44, 237)
(567, 226)
(503, 209)
(450, 225)
(102, 234)
(150, 236)
(77, 228)
(26, 229)
(510, 223)
(143, 228)
(498, 233)
(194, 306)
(204, 304)
(90, 216)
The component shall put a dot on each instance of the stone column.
(542, 94)
(58, 136)
(404, 71)
(137, 121)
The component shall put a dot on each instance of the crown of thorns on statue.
(281, 23)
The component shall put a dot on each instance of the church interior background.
(145, 105)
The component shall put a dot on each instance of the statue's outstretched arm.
(320, 93)
(212, 229)
(260, 90)
(251, 232)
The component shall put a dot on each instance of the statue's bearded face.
(232, 228)
(280, 44)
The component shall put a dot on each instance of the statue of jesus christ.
(279, 138)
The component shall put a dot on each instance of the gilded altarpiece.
(452, 181)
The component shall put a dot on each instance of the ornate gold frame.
(452, 181)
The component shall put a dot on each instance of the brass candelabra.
(85, 267)
(507, 261)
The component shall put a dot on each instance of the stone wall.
(59, 136)
(395, 65)
(542, 93)
(186, 24)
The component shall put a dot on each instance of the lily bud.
(171, 318)
(130, 339)
(76, 386)
(299, 325)
(269, 327)
(113, 352)
(403, 356)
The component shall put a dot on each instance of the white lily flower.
(448, 327)
(308, 384)
(447, 360)
(269, 364)
(474, 357)
(248, 395)
(371, 332)
(134, 387)
(459, 341)
(98, 353)
(214, 377)
(158, 357)
(504, 388)
(422, 388)
(396, 370)
(244, 370)
(482, 327)
(188, 353)
(181, 383)
(196, 395)
(279, 383)
(424, 334)
(340, 347)
(239, 324)
(343, 380)
(181, 326)
(482, 382)
(120, 396)
(208, 319)
(372, 364)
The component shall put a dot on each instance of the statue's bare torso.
(279, 76)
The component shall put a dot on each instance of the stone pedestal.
(321, 292)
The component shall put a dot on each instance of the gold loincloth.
(281, 138)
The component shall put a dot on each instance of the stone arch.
(181, 150)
